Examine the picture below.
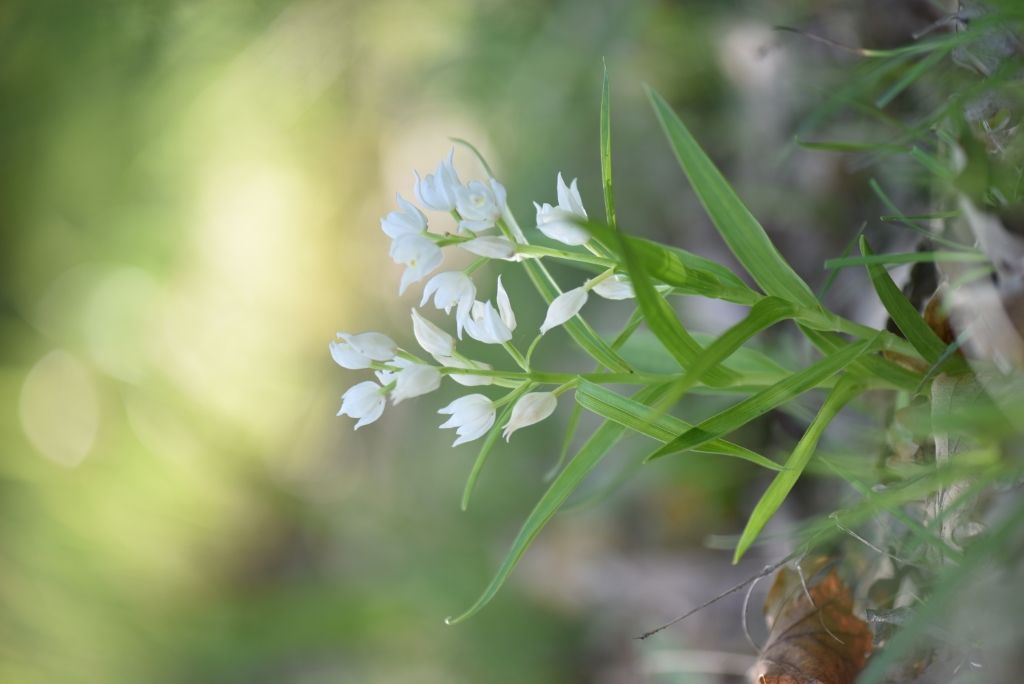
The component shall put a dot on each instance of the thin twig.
(768, 569)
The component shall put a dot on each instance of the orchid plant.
(852, 358)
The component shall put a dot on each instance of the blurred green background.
(189, 198)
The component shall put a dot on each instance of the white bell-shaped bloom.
(560, 222)
(490, 246)
(452, 288)
(485, 324)
(411, 379)
(464, 378)
(479, 204)
(408, 220)
(434, 341)
(531, 408)
(471, 416)
(437, 190)
(420, 256)
(564, 307)
(357, 351)
(364, 402)
(617, 286)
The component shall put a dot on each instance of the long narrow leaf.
(647, 421)
(843, 392)
(764, 401)
(589, 455)
(764, 314)
(489, 441)
(606, 150)
(658, 314)
(903, 313)
(737, 226)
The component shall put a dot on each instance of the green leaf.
(606, 150)
(903, 313)
(843, 392)
(586, 459)
(489, 441)
(737, 226)
(658, 314)
(907, 258)
(764, 401)
(648, 421)
(764, 314)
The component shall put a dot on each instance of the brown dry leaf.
(819, 643)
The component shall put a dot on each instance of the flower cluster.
(478, 207)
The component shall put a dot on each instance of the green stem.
(579, 257)
(516, 356)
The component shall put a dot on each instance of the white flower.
(433, 340)
(490, 325)
(559, 222)
(364, 402)
(490, 246)
(479, 204)
(531, 408)
(437, 190)
(407, 221)
(617, 286)
(462, 378)
(451, 288)
(419, 254)
(357, 351)
(411, 379)
(564, 307)
(471, 416)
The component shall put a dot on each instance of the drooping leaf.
(645, 420)
(764, 401)
(779, 489)
(585, 460)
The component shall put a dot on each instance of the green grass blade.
(606, 150)
(868, 368)
(737, 226)
(779, 489)
(764, 401)
(648, 421)
(764, 314)
(907, 258)
(489, 441)
(586, 459)
(912, 74)
(903, 313)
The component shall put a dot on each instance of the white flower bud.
(433, 340)
(560, 222)
(564, 307)
(438, 190)
(617, 286)
(485, 324)
(364, 401)
(411, 379)
(508, 317)
(408, 220)
(531, 408)
(471, 416)
(479, 204)
(490, 246)
(357, 351)
(419, 254)
(449, 289)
